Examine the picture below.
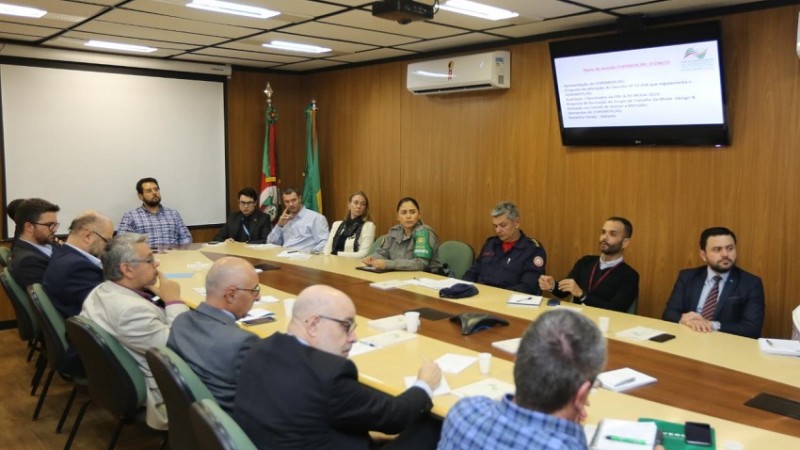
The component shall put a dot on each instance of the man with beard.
(718, 296)
(299, 228)
(604, 281)
(163, 226)
(38, 222)
(511, 260)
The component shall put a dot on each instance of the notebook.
(614, 434)
(783, 347)
(625, 379)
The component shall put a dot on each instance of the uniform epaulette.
(535, 242)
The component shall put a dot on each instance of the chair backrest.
(214, 429)
(27, 324)
(52, 324)
(457, 255)
(180, 387)
(376, 244)
(5, 252)
(115, 381)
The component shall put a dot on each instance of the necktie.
(711, 300)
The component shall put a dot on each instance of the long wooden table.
(691, 385)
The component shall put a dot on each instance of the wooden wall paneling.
(462, 153)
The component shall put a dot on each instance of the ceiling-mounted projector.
(402, 11)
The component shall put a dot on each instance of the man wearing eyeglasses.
(299, 390)
(208, 338)
(163, 226)
(247, 225)
(34, 247)
(75, 270)
(127, 306)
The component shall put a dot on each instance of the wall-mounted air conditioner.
(490, 70)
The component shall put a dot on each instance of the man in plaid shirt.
(163, 226)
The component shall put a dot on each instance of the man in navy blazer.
(75, 270)
(247, 225)
(299, 390)
(34, 246)
(718, 296)
(208, 337)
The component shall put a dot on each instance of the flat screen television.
(662, 86)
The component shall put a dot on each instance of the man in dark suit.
(208, 337)
(75, 270)
(34, 245)
(247, 225)
(299, 390)
(718, 296)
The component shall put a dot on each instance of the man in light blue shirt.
(299, 228)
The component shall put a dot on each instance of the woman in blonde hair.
(352, 236)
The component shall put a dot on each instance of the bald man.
(75, 270)
(299, 390)
(208, 337)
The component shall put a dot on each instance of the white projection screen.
(81, 139)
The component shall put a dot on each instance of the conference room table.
(701, 377)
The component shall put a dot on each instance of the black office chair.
(180, 387)
(55, 344)
(214, 429)
(115, 381)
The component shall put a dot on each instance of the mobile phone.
(698, 433)
(663, 337)
(553, 302)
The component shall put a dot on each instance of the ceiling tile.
(158, 21)
(348, 34)
(77, 44)
(220, 60)
(177, 8)
(134, 32)
(382, 53)
(259, 56)
(311, 65)
(26, 30)
(83, 37)
(336, 46)
(457, 41)
(365, 20)
(551, 26)
(679, 6)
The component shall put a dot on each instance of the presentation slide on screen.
(671, 85)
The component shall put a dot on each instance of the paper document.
(391, 284)
(621, 380)
(613, 434)
(200, 290)
(638, 333)
(783, 347)
(390, 323)
(443, 388)
(452, 363)
(359, 348)
(294, 254)
(490, 387)
(508, 345)
(525, 299)
(388, 338)
(267, 299)
(262, 246)
(254, 314)
(431, 283)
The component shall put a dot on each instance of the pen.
(769, 342)
(368, 344)
(624, 382)
(626, 440)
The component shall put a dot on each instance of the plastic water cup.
(288, 306)
(485, 363)
(412, 321)
(602, 323)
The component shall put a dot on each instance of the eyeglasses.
(53, 226)
(151, 260)
(100, 236)
(256, 290)
(347, 325)
(151, 190)
(247, 203)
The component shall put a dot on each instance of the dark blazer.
(28, 263)
(740, 307)
(214, 347)
(260, 226)
(293, 396)
(614, 288)
(69, 278)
